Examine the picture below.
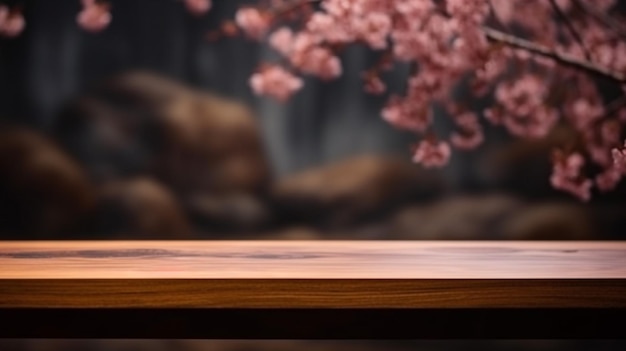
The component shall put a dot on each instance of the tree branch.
(511, 40)
(564, 59)
(570, 27)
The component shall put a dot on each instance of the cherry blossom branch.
(511, 40)
(570, 27)
(611, 23)
(567, 60)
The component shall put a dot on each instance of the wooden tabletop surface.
(287, 276)
(312, 260)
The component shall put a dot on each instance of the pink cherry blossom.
(374, 85)
(254, 23)
(432, 154)
(583, 112)
(504, 9)
(95, 16)
(470, 133)
(524, 112)
(198, 7)
(318, 61)
(567, 176)
(608, 179)
(374, 29)
(282, 40)
(327, 28)
(619, 158)
(12, 23)
(407, 114)
(276, 82)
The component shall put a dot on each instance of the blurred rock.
(140, 208)
(455, 218)
(550, 221)
(490, 217)
(44, 194)
(352, 191)
(523, 166)
(205, 148)
(229, 214)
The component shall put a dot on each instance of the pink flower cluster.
(406, 113)
(431, 153)
(304, 52)
(198, 7)
(523, 109)
(470, 133)
(254, 22)
(374, 85)
(566, 175)
(95, 16)
(613, 174)
(619, 158)
(276, 82)
(11, 22)
(348, 21)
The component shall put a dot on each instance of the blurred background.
(148, 130)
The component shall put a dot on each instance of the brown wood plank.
(312, 260)
(127, 286)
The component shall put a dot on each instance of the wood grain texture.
(137, 289)
(312, 260)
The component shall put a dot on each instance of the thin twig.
(570, 27)
(568, 60)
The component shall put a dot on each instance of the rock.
(44, 194)
(454, 218)
(205, 148)
(140, 208)
(490, 217)
(352, 191)
(550, 221)
(228, 215)
(523, 167)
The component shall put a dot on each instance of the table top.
(312, 260)
(299, 279)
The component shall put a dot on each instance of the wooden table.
(312, 290)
